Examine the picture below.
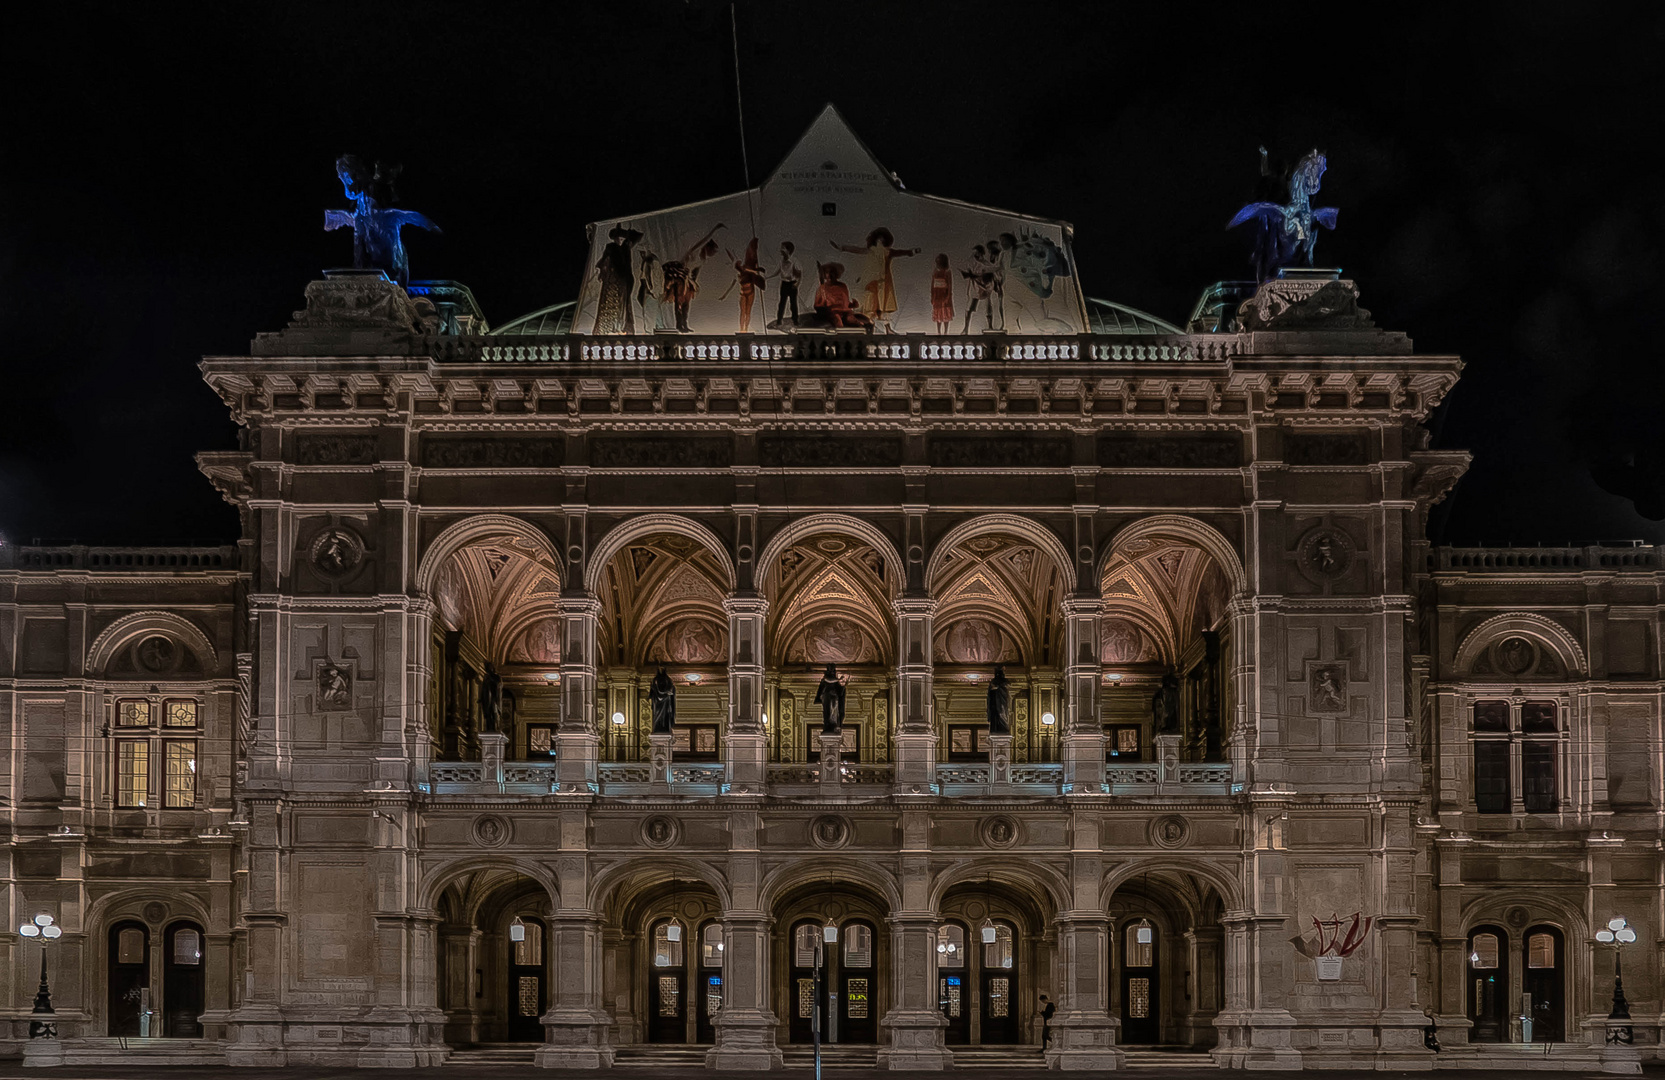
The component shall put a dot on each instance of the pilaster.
(1083, 740)
(916, 739)
(747, 744)
(578, 743)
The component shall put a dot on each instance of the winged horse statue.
(1290, 229)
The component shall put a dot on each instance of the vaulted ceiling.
(1158, 595)
(997, 602)
(829, 603)
(503, 596)
(662, 602)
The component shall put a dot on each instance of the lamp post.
(829, 936)
(1618, 934)
(44, 928)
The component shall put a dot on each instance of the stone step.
(115, 1050)
(1144, 1057)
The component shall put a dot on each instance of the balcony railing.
(1544, 559)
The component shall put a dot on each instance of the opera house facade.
(395, 779)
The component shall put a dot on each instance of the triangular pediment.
(830, 153)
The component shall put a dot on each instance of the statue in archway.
(491, 698)
(662, 699)
(1000, 703)
(1164, 705)
(830, 696)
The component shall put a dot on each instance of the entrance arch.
(494, 967)
(855, 965)
(1167, 955)
(182, 981)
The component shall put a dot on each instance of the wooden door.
(1488, 984)
(954, 982)
(182, 979)
(129, 976)
(998, 967)
(1545, 982)
(858, 1014)
(668, 984)
(527, 995)
(710, 982)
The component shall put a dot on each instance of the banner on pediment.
(830, 241)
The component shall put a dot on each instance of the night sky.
(165, 169)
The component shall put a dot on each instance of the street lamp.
(44, 928)
(1618, 934)
(829, 936)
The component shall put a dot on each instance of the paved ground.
(12, 1070)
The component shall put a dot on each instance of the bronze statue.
(662, 697)
(1288, 231)
(830, 696)
(491, 698)
(1164, 705)
(375, 224)
(1000, 703)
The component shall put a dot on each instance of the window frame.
(1520, 748)
(152, 787)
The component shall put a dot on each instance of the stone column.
(914, 1022)
(459, 945)
(578, 742)
(747, 748)
(576, 1026)
(1202, 949)
(1083, 1031)
(1082, 745)
(916, 737)
(746, 1024)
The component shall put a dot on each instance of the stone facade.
(255, 785)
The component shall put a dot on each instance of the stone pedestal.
(1000, 762)
(832, 747)
(494, 746)
(1083, 760)
(659, 759)
(1167, 757)
(43, 1053)
(744, 763)
(575, 762)
(916, 763)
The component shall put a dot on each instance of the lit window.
(804, 940)
(529, 950)
(130, 946)
(1482, 954)
(998, 953)
(181, 773)
(667, 953)
(1540, 951)
(133, 714)
(187, 948)
(858, 946)
(132, 772)
(711, 945)
(951, 946)
(1141, 944)
(181, 714)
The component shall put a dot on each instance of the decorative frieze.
(468, 452)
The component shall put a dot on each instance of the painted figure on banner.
(613, 313)
(832, 300)
(830, 696)
(682, 277)
(1035, 263)
(790, 274)
(997, 280)
(662, 699)
(1000, 703)
(649, 288)
(942, 294)
(377, 244)
(876, 280)
(979, 281)
(750, 277)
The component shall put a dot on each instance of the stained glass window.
(130, 946)
(529, 950)
(950, 946)
(132, 772)
(133, 714)
(858, 946)
(181, 714)
(666, 953)
(1540, 951)
(998, 953)
(1138, 998)
(527, 989)
(1483, 953)
(670, 995)
(1000, 1004)
(855, 999)
(711, 945)
(181, 761)
(187, 948)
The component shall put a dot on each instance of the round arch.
(656, 870)
(646, 525)
(1543, 908)
(438, 877)
(481, 528)
(1156, 629)
(1009, 524)
(1048, 889)
(779, 884)
(128, 628)
(1221, 877)
(112, 908)
(1185, 529)
(1546, 632)
(803, 528)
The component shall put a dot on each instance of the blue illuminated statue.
(375, 224)
(1291, 229)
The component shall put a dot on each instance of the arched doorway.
(182, 981)
(128, 983)
(1487, 992)
(836, 926)
(1544, 981)
(954, 983)
(527, 992)
(1167, 958)
(494, 965)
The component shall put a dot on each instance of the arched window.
(711, 945)
(951, 946)
(1488, 984)
(804, 940)
(1140, 947)
(999, 953)
(667, 945)
(858, 945)
(529, 950)
(187, 948)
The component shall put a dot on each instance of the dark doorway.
(129, 980)
(527, 994)
(1545, 983)
(182, 980)
(667, 990)
(1141, 1011)
(1488, 984)
(858, 1017)
(999, 972)
(806, 937)
(953, 983)
(710, 981)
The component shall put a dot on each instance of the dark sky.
(165, 167)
